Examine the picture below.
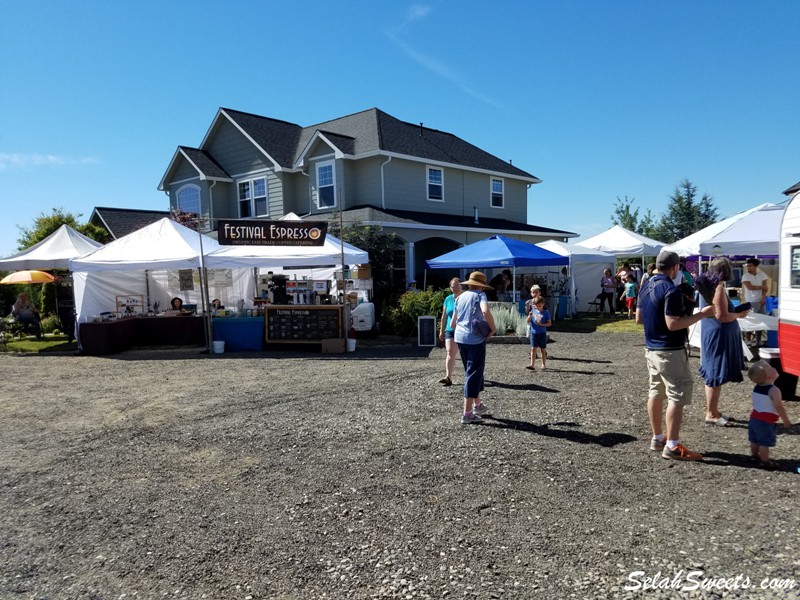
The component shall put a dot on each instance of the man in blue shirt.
(661, 311)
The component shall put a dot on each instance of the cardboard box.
(362, 272)
(333, 346)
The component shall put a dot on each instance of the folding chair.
(594, 305)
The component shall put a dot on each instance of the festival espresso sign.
(270, 233)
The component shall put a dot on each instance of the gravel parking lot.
(172, 474)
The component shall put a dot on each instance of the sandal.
(721, 422)
(530, 368)
(446, 381)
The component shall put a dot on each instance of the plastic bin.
(787, 383)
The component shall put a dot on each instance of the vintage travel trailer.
(789, 324)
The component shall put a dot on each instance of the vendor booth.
(123, 292)
(307, 320)
(55, 252)
(585, 271)
(123, 289)
(499, 251)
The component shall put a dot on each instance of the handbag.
(478, 324)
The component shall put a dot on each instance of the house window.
(253, 198)
(497, 193)
(326, 185)
(189, 199)
(435, 184)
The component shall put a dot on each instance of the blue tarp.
(497, 251)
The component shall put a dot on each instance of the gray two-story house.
(436, 191)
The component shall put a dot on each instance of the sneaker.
(657, 446)
(680, 452)
(480, 409)
(470, 419)
(445, 381)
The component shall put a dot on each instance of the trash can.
(787, 383)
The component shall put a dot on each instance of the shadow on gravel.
(522, 387)
(726, 459)
(579, 360)
(578, 372)
(607, 440)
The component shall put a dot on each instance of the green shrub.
(402, 318)
(50, 324)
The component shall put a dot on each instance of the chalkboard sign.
(303, 323)
(426, 327)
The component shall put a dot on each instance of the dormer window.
(497, 193)
(435, 184)
(253, 198)
(326, 185)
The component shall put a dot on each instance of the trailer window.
(795, 267)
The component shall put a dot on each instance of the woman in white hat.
(472, 309)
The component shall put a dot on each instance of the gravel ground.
(168, 473)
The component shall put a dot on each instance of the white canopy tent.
(753, 232)
(623, 242)
(123, 268)
(585, 271)
(287, 256)
(53, 252)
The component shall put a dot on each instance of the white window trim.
(318, 166)
(251, 181)
(428, 169)
(491, 192)
(199, 197)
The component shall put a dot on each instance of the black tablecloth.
(116, 336)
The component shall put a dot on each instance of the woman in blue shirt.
(446, 332)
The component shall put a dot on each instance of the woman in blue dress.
(722, 357)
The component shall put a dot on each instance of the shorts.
(670, 376)
(762, 434)
(630, 302)
(449, 335)
(539, 340)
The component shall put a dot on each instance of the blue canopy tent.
(497, 251)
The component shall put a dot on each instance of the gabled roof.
(792, 190)
(120, 222)
(368, 132)
(201, 161)
(278, 140)
(369, 215)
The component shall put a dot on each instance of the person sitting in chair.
(26, 313)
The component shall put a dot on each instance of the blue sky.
(599, 99)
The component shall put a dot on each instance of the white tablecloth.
(752, 322)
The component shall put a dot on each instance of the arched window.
(189, 199)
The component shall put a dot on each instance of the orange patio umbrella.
(27, 277)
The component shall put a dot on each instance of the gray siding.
(366, 181)
(406, 185)
(235, 153)
(185, 171)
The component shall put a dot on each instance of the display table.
(110, 337)
(240, 334)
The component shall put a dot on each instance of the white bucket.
(351, 344)
(218, 347)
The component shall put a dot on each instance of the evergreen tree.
(624, 215)
(685, 213)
